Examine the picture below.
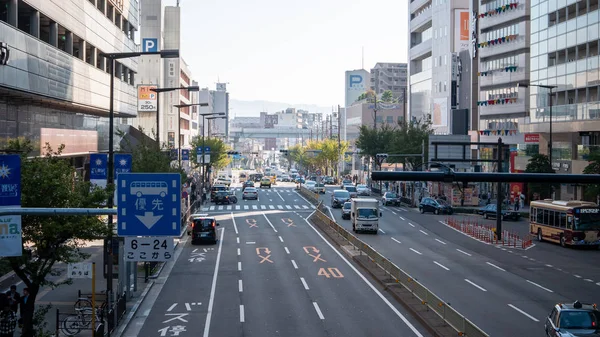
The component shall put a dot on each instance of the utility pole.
(331, 127)
(340, 158)
(375, 113)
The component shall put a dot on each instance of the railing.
(449, 315)
(566, 113)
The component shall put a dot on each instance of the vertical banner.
(174, 154)
(185, 154)
(462, 27)
(99, 169)
(123, 162)
(11, 242)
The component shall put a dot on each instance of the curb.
(134, 310)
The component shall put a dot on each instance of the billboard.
(439, 117)
(462, 35)
(357, 82)
(147, 99)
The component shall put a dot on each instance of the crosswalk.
(267, 190)
(256, 207)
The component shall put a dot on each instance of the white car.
(310, 185)
(363, 190)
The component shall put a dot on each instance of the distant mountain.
(254, 108)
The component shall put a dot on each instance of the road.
(271, 274)
(506, 292)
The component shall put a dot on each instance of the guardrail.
(453, 318)
(309, 195)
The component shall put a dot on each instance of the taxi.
(576, 319)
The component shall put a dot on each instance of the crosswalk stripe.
(271, 207)
(212, 208)
(263, 207)
(254, 207)
(246, 207)
(313, 207)
(296, 207)
(237, 207)
(288, 206)
(304, 206)
(280, 206)
(229, 208)
(220, 208)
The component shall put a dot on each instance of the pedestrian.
(27, 309)
(14, 298)
(8, 320)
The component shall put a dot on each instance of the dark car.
(328, 181)
(435, 206)
(346, 182)
(215, 189)
(339, 197)
(352, 190)
(247, 183)
(489, 211)
(390, 198)
(222, 197)
(346, 210)
(203, 228)
(570, 320)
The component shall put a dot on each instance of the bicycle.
(73, 324)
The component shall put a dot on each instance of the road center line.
(422, 231)
(239, 252)
(440, 241)
(280, 238)
(238, 240)
(464, 252)
(280, 196)
(396, 240)
(524, 313)
(239, 266)
(495, 266)
(441, 265)
(318, 310)
(295, 265)
(381, 230)
(269, 221)
(304, 283)
(242, 316)
(213, 288)
(416, 251)
(539, 286)
(411, 224)
(240, 286)
(402, 218)
(286, 250)
(234, 224)
(475, 285)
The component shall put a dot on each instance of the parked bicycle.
(82, 319)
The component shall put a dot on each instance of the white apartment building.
(218, 102)
(390, 76)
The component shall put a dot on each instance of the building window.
(389, 119)
(445, 86)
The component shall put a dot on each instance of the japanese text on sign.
(148, 249)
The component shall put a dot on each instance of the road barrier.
(487, 233)
(449, 315)
(311, 196)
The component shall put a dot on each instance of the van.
(203, 228)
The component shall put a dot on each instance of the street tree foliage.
(51, 181)
(539, 163)
(387, 97)
(592, 191)
(403, 138)
(218, 151)
(369, 95)
(327, 160)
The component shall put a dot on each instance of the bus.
(569, 223)
(140, 188)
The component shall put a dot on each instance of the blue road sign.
(207, 149)
(10, 180)
(185, 154)
(98, 166)
(198, 151)
(174, 154)
(149, 204)
(150, 45)
(122, 164)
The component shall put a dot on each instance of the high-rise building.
(55, 86)
(438, 29)
(218, 102)
(390, 76)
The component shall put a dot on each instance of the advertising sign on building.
(439, 116)
(221, 86)
(473, 44)
(532, 138)
(11, 242)
(357, 83)
(147, 99)
(462, 35)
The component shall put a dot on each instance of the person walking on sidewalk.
(8, 320)
(27, 310)
(14, 298)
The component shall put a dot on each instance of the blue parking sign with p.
(150, 45)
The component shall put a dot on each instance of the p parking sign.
(150, 45)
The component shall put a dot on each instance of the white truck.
(365, 215)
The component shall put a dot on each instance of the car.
(328, 181)
(247, 183)
(363, 190)
(339, 197)
(319, 188)
(203, 228)
(215, 189)
(300, 180)
(570, 320)
(436, 206)
(390, 198)
(310, 185)
(222, 197)
(265, 181)
(285, 178)
(351, 190)
(489, 211)
(346, 210)
(250, 193)
(346, 182)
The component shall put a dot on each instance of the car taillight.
(192, 225)
(213, 224)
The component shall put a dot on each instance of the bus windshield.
(587, 221)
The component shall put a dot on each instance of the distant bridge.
(268, 133)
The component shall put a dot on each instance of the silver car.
(346, 210)
(363, 190)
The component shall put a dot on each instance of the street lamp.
(158, 91)
(179, 106)
(203, 139)
(173, 53)
(551, 87)
(211, 118)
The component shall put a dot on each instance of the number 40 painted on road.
(332, 272)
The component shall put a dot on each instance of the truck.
(365, 215)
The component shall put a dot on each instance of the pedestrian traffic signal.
(231, 153)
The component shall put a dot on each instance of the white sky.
(289, 51)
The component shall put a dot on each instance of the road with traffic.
(271, 274)
(505, 291)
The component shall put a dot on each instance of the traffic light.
(285, 152)
(380, 157)
(231, 153)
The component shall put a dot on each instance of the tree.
(539, 163)
(592, 191)
(51, 182)
(369, 95)
(387, 97)
(218, 151)
(409, 139)
(372, 141)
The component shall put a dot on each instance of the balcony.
(417, 23)
(521, 11)
(420, 77)
(418, 4)
(420, 49)
(496, 78)
(504, 109)
(521, 42)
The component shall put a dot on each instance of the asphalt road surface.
(270, 274)
(504, 291)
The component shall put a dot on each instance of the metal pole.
(340, 158)
(499, 192)
(158, 120)
(110, 201)
(179, 135)
(550, 138)
(375, 113)
(202, 153)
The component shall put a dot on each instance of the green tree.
(592, 191)
(369, 95)
(51, 182)
(408, 139)
(372, 141)
(387, 97)
(218, 151)
(539, 163)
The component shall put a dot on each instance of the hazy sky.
(289, 51)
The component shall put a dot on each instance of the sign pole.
(93, 298)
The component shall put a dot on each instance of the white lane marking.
(318, 310)
(280, 196)
(539, 286)
(577, 276)
(271, 200)
(423, 232)
(381, 230)
(238, 240)
(239, 252)
(330, 212)
(396, 240)
(385, 300)
(234, 224)
(524, 313)
(229, 207)
(239, 266)
(588, 280)
(250, 242)
(549, 266)
(464, 252)
(240, 286)
(411, 224)
(295, 265)
(212, 208)
(193, 251)
(172, 307)
(440, 241)
(495, 266)
(280, 238)
(304, 283)
(393, 212)
(213, 288)
(598, 284)
(269, 221)
(416, 251)
(475, 285)
(402, 218)
(441, 265)
(242, 317)
(237, 207)
(188, 307)
(286, 250)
